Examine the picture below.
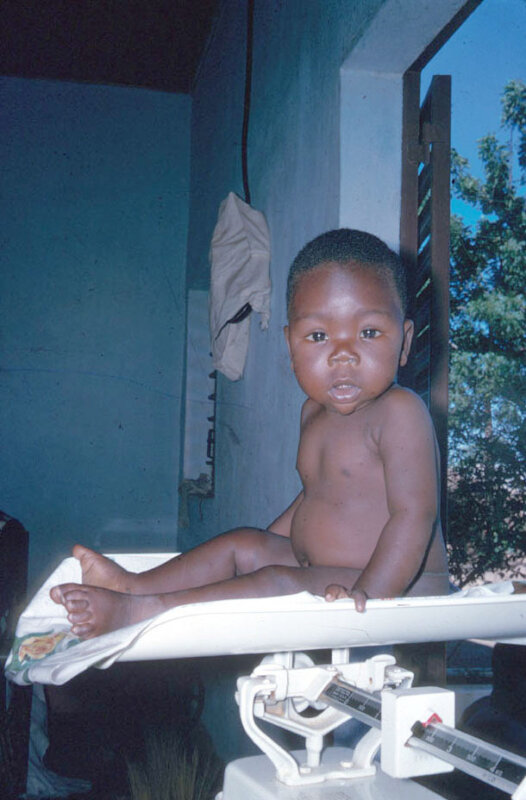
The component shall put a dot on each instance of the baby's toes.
(84, 631)
(75, 600)
(58, 593)
(79, 613)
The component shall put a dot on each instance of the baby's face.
(346, 335)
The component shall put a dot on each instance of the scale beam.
(359, 704)
(487, 762)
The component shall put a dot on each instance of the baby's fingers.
(335, 592)
(360, 599)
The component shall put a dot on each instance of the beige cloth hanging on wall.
(239, 258)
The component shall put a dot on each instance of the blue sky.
(487, 51)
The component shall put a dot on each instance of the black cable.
(239, 316)
(248, 89)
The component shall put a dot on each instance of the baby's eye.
(317, 336)
(370, 333)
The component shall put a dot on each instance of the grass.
(174, 768)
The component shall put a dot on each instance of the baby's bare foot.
(97, 570)
(93, 610)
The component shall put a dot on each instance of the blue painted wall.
(95, 185)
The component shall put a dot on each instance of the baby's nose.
(344, 353)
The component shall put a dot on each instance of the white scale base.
(254, 778)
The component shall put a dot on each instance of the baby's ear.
(409, 329)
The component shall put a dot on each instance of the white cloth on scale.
(240, 258)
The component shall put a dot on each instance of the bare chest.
(336, 451)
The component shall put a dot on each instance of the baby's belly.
(333, 535)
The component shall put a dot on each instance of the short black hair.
(345, 245)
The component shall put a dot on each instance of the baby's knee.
(250, 548)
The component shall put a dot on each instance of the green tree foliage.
(487, 422)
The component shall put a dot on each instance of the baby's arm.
(409, 453)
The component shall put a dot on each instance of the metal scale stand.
(412, 727)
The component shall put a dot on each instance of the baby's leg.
(111, 598)
(228, 555)
(93, 610)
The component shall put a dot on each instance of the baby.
(367, 517)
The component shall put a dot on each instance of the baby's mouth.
(344, 391)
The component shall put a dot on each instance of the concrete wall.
(94, 223)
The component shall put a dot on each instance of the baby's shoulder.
(402, 395)
(399, 402)
(309, 409)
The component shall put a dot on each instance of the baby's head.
(347, 333)
(350, 248)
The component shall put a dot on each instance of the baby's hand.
(336, 592)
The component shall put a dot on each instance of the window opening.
(424, 243)
(486, 532)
